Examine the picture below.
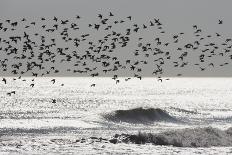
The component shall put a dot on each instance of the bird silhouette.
(220, 21)
(4, 80)
(53, 81)
(93, 85)
(37, 51)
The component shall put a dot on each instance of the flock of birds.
(55, 46)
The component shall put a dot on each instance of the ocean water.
(30, 123)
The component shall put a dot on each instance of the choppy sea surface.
(32, 123)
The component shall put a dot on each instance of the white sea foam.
(79, 109)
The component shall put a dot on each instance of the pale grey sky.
(176, 16)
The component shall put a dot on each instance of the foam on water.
(44, 123)
(196, 137)
(79, 109)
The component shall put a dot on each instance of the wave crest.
(140, 115)
(197, 137)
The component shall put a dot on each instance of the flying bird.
(220, 21)
(4, 80)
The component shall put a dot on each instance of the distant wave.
(140, 115)
(184, 110)
(197, 137)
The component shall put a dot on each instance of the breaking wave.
(140, 115)
(196, 137)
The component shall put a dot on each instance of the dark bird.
(160, 80)
(111, 14)
(211, 64)
(4, 80)
(100, 16)
(55, 19)
(53, 81)
(151, 23)
(195, 26)
(220, 21)
(12, 92)
(218, 35)
(93, 85)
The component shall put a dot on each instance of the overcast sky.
(176, 16)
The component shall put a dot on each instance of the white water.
(29, 121)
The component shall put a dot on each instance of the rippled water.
(31, 124)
